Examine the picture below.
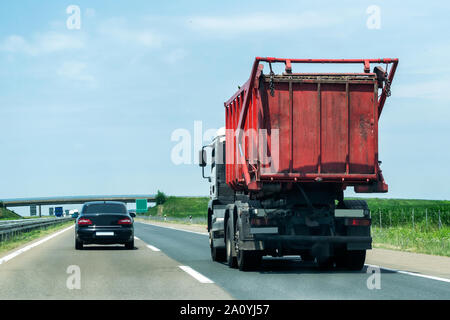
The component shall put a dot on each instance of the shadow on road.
(288, 265)
(106, 247)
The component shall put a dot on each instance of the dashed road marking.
(152, 248)
(198, 276)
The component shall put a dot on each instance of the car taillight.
(124, 221)
(358, 222)
(84, 222)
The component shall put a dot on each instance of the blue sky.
(92, 111)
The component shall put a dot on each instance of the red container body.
(299, 127)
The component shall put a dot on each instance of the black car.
(104, 222)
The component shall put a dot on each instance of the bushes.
(160, 198)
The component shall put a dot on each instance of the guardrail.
(10, 228)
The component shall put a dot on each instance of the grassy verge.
(181, 207)
(8, 214)
(420, 240)
(26, 237)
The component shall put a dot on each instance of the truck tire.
(231, 261)
(217, 254)
(351, 260)
(78, 245)
(325, 263)
(248, 260)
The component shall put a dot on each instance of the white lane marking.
(198, 276)
(411, 273)
(201, 233)
(153, 248)
(30, 246)
(136, 238)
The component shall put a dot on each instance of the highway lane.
(286, 278)
(106, 272)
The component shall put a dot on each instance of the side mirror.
(202, 158)
(133, 215)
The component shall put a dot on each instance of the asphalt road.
(106, 272)
(111, 272)
(286, 278)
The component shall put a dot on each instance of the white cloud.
(175, 56)
(75, 70)
(264, 22)
(42, 43)
(432, 89)
(119, 30)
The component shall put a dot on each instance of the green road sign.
(141, 205)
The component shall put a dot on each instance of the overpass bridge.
(49, 201)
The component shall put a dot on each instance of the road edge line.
(30, 246)
(410, 273)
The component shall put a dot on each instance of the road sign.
(32, 210)
(141, 205)
(50, 211)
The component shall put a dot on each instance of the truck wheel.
(78, 245)
(217, 254)
(352, 260)
(231, 261)
(325, 263)
(248, 260)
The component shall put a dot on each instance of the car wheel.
(129, 245)
(78, 245)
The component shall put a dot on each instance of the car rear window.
(105, 208)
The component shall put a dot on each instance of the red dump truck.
(292, 143)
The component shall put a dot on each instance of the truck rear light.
(259, 222)
(84, 222)
(358, 222)
(124, 221)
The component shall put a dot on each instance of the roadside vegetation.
(412, 225)
(23, 238)
(181, 207)
(8, 214)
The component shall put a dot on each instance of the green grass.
(420, 239)
(405, 212)
(181, 207)
(26, 237)
(8, 214)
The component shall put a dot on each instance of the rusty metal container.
(307, 127)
